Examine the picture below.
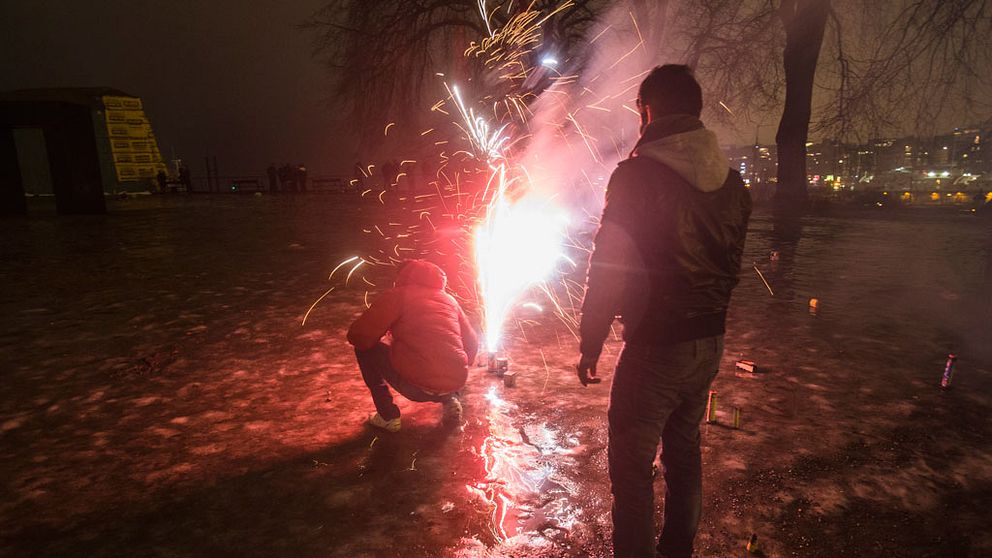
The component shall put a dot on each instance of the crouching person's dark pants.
(379, 374)
(659, 392)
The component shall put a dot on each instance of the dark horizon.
(224, 79)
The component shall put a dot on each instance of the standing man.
(163, 181)
(666, 259)
(388, 174)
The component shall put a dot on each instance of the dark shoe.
(452, 411)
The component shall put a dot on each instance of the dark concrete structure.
(65, 118)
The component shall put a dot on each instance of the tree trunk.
(804, 22)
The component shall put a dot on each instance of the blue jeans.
(379, 374)
(659, 393)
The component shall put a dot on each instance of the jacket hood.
(421, 273)
(680, 142)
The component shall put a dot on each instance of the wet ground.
(161, 398)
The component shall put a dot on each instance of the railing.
(249, 184)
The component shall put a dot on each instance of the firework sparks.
(489, 143)
(499, 233)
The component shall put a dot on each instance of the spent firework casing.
(746, 365)
(509, 379)
(502, 366)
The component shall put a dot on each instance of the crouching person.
(431, 345)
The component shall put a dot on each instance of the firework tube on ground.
(510, 379)
(711, 407)
(502, 365)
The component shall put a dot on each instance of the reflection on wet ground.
(161, 398)
(525, 480)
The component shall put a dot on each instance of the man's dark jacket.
(668, 251)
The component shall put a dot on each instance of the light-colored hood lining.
(695, 155)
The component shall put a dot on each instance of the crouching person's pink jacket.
(432, 340)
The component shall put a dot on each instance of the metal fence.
(249, 184)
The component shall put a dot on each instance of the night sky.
(228, 78)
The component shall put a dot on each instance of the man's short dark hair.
(671, 89)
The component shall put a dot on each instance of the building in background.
(77, 144)
(949, 168)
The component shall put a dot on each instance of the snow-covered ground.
(160, 397)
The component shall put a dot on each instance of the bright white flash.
(517, 246)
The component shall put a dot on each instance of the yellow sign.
(132, 141)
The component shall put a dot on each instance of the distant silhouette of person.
(301, 177)
(359, 177)
(667, 257)
(185, 179)
(273, 178)
(286, 178)
(384, 169)
(163, 181)
(388, 174)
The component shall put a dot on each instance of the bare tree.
(804, 22)
(848, 68)
(383, 54)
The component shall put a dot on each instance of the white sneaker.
(452, 410)
(377, 421)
